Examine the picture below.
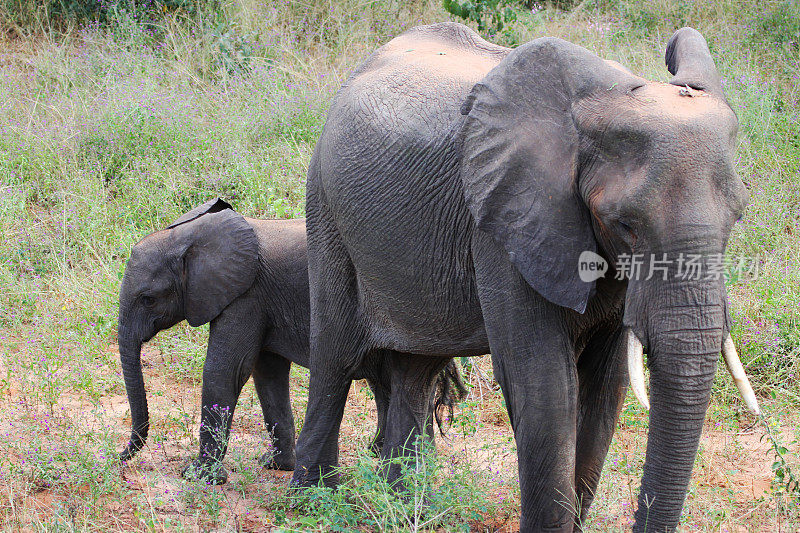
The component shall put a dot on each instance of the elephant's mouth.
(635, 357)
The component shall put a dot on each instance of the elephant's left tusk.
(739, 377)
(636, 368)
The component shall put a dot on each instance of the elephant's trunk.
(684, 337)
(130, 350)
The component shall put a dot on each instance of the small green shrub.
(785, 487)
(490, 15)
(435, 494)
(234, 51)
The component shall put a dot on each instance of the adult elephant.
(452, 192)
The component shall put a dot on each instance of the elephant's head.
(192, 270)
(562, 153)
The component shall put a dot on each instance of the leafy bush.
(32, 16)
(489, 15)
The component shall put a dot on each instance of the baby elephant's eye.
(148, 301)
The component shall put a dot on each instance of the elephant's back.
(403, 102)
(282, 286)
(425, 73)
(449, 37)
(387, 170)
(281, 241)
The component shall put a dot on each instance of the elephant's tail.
(130, 352)
(450, 389)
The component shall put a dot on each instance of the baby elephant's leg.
(229, 363)
(271, 377)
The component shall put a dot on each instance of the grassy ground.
(110, 132)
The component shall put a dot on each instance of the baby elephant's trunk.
(130, 350)
(450, 389)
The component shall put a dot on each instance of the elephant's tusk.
(636, 368)
(739, 377)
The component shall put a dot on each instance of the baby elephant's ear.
(214, 205)
(220, 259)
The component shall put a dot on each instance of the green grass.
(110, 130)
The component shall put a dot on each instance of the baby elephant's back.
(282, 282)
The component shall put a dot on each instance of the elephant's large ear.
(689, 61)
(212, 206)
(219, 262)
(520, 161)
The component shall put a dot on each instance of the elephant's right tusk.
(636, 368)
(739, 377)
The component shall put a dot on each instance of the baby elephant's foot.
(278, 460)
(210, 471)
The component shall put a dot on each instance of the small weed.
(786, 483)
(490, 15)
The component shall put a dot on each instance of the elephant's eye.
(627, 229)
(148, 301)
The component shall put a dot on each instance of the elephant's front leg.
(271, 377)
(232, 351)
(539, 387)
(602, 378)
(533, 359)
(318, 445)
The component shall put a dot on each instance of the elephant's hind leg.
(318, 445)
(271, 378)
(602, 381)
(380, 384)
(338, 344)
(409, 417)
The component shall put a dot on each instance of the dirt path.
(729, 492)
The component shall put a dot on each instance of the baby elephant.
(249, 278)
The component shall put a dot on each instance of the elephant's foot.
(556, 520)
(311, 476)
(209, 471)
(278, 460)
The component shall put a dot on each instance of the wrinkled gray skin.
(449, 197)
(249, 278)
